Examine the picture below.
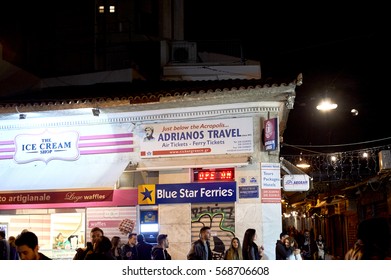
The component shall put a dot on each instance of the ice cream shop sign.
(46, 146)
(63, 157)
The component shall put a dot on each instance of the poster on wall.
(270, 183)
(207, 137)
(114, 221)
(270, 134)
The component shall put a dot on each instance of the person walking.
(200, 249)
(308, 248)
(234, 252)
(27, 247)
(101, 250)
(320, 242)
(4, 247)
(95, 234)
(129, 250)
(282, 253)
(144, 249)
(159, 252)
(13, 253)
(116, 248)
(293, 247)
(373, 240)
(250, 250)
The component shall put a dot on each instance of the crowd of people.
(373, 242)
(136, 248)
(26, 247)
(200, 249)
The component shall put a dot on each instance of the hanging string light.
(350, 165)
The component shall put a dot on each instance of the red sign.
(56, 197)
(271, 195)
(226, 174)
(270, 134)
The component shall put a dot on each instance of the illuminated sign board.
(221, 174)
(187, 193)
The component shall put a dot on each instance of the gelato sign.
(224, 136)
(46, 147)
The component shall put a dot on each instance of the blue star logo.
(147, 194)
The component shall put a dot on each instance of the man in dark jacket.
(282, 253)
(129, 250)
(200, 249)
(95, 234)
(27, 247)
(144, 249)
(159, 252)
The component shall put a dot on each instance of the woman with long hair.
(234, 251)
(250, 250)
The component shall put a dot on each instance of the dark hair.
(131, 234)
(2, 234)
(204, 229)
(140, 237)
(149, 127)
(283, 234)
(160, 238)
(103, 245)
(27, 238)
(247, 242)
(97, 229)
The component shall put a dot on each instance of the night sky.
(342, 51)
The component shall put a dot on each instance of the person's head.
(290, 242)
(162, 240)
(148, 131)
(132, 238)
(283, 236)
(115, 240)
(27, 246)
(250, 235)
(287, 243)
(235, 243)
(205, 233)
(60, 237)
(95, 234)
(2, 234)
(11, 240)
(306, 234)
(140, 238)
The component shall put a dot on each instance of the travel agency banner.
(224, 136)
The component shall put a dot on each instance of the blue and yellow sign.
(187, 193)
(146, 194)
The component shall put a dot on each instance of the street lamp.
(326, 105)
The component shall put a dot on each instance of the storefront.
(71, 214)
(166, 142)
